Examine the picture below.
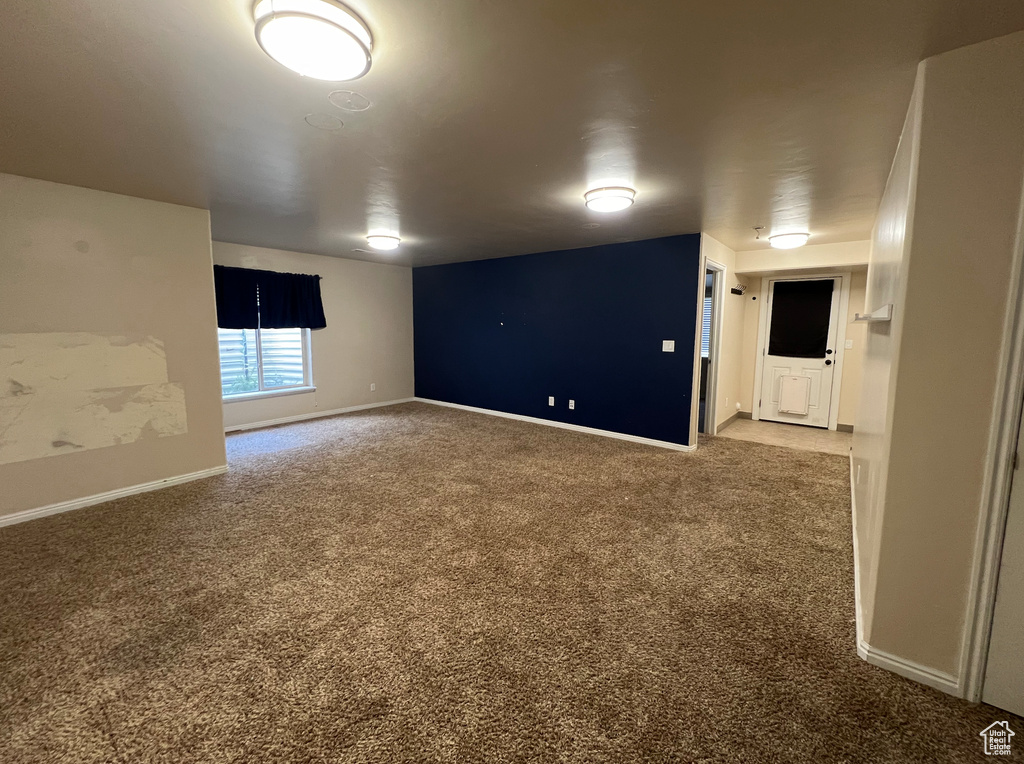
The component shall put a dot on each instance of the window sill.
(268, 394)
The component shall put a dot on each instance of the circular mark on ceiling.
(324, 122)
(591, 225)
(349, 100)
(82, 246)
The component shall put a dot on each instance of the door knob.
(828, 352)
(828, 363)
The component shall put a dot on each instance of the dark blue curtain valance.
(252, 299)
(237, 297)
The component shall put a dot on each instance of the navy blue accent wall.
(585, 324)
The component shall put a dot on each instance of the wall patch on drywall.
(65, 392)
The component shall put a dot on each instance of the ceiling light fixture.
(788, 240)
(609, 199)
(382, 242)
(321, 39)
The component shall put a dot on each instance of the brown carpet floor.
(417, 584)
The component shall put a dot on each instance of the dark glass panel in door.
(800, 317)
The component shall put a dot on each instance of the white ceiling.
(489, 117)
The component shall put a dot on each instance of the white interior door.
(1004, 672)
(800, 350)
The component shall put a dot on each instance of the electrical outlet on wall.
(849, 344)
(668, 346)
(551, 400)
(572, 404)
(373, 386)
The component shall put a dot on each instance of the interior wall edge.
(77, 261)
(873, 428)
(998, 476)
(940, 680)
(728, 345)
(963, 212)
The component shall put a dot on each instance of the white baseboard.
(563, 425)
(313, 415)
(919, 673)
(940, 680)
(857, 607)
(99, 498)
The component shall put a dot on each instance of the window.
(254, 361)
(705, 329)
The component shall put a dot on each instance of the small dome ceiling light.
(382, 242)
(321, 39)
(609, 199)
(788, 240)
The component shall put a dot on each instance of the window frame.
(307, 385)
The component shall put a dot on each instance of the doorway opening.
(801, 337)
(711, 317)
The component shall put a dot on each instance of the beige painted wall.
(730, 356)
(368, 339)
(853, 357)
(748, 352)
(943, 248)
(849, 387)
(845, 255)
(86, 270)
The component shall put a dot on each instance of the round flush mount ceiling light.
(382, 242)
(321, 39)
(788, 240)
(609, 199)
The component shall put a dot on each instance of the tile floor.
(789, 435)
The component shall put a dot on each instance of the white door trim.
(998, 475)
(762, 339)
(695, 382)
(715, 344)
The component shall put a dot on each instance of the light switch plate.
(668, 346)
(551, 400)
(849, 344)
